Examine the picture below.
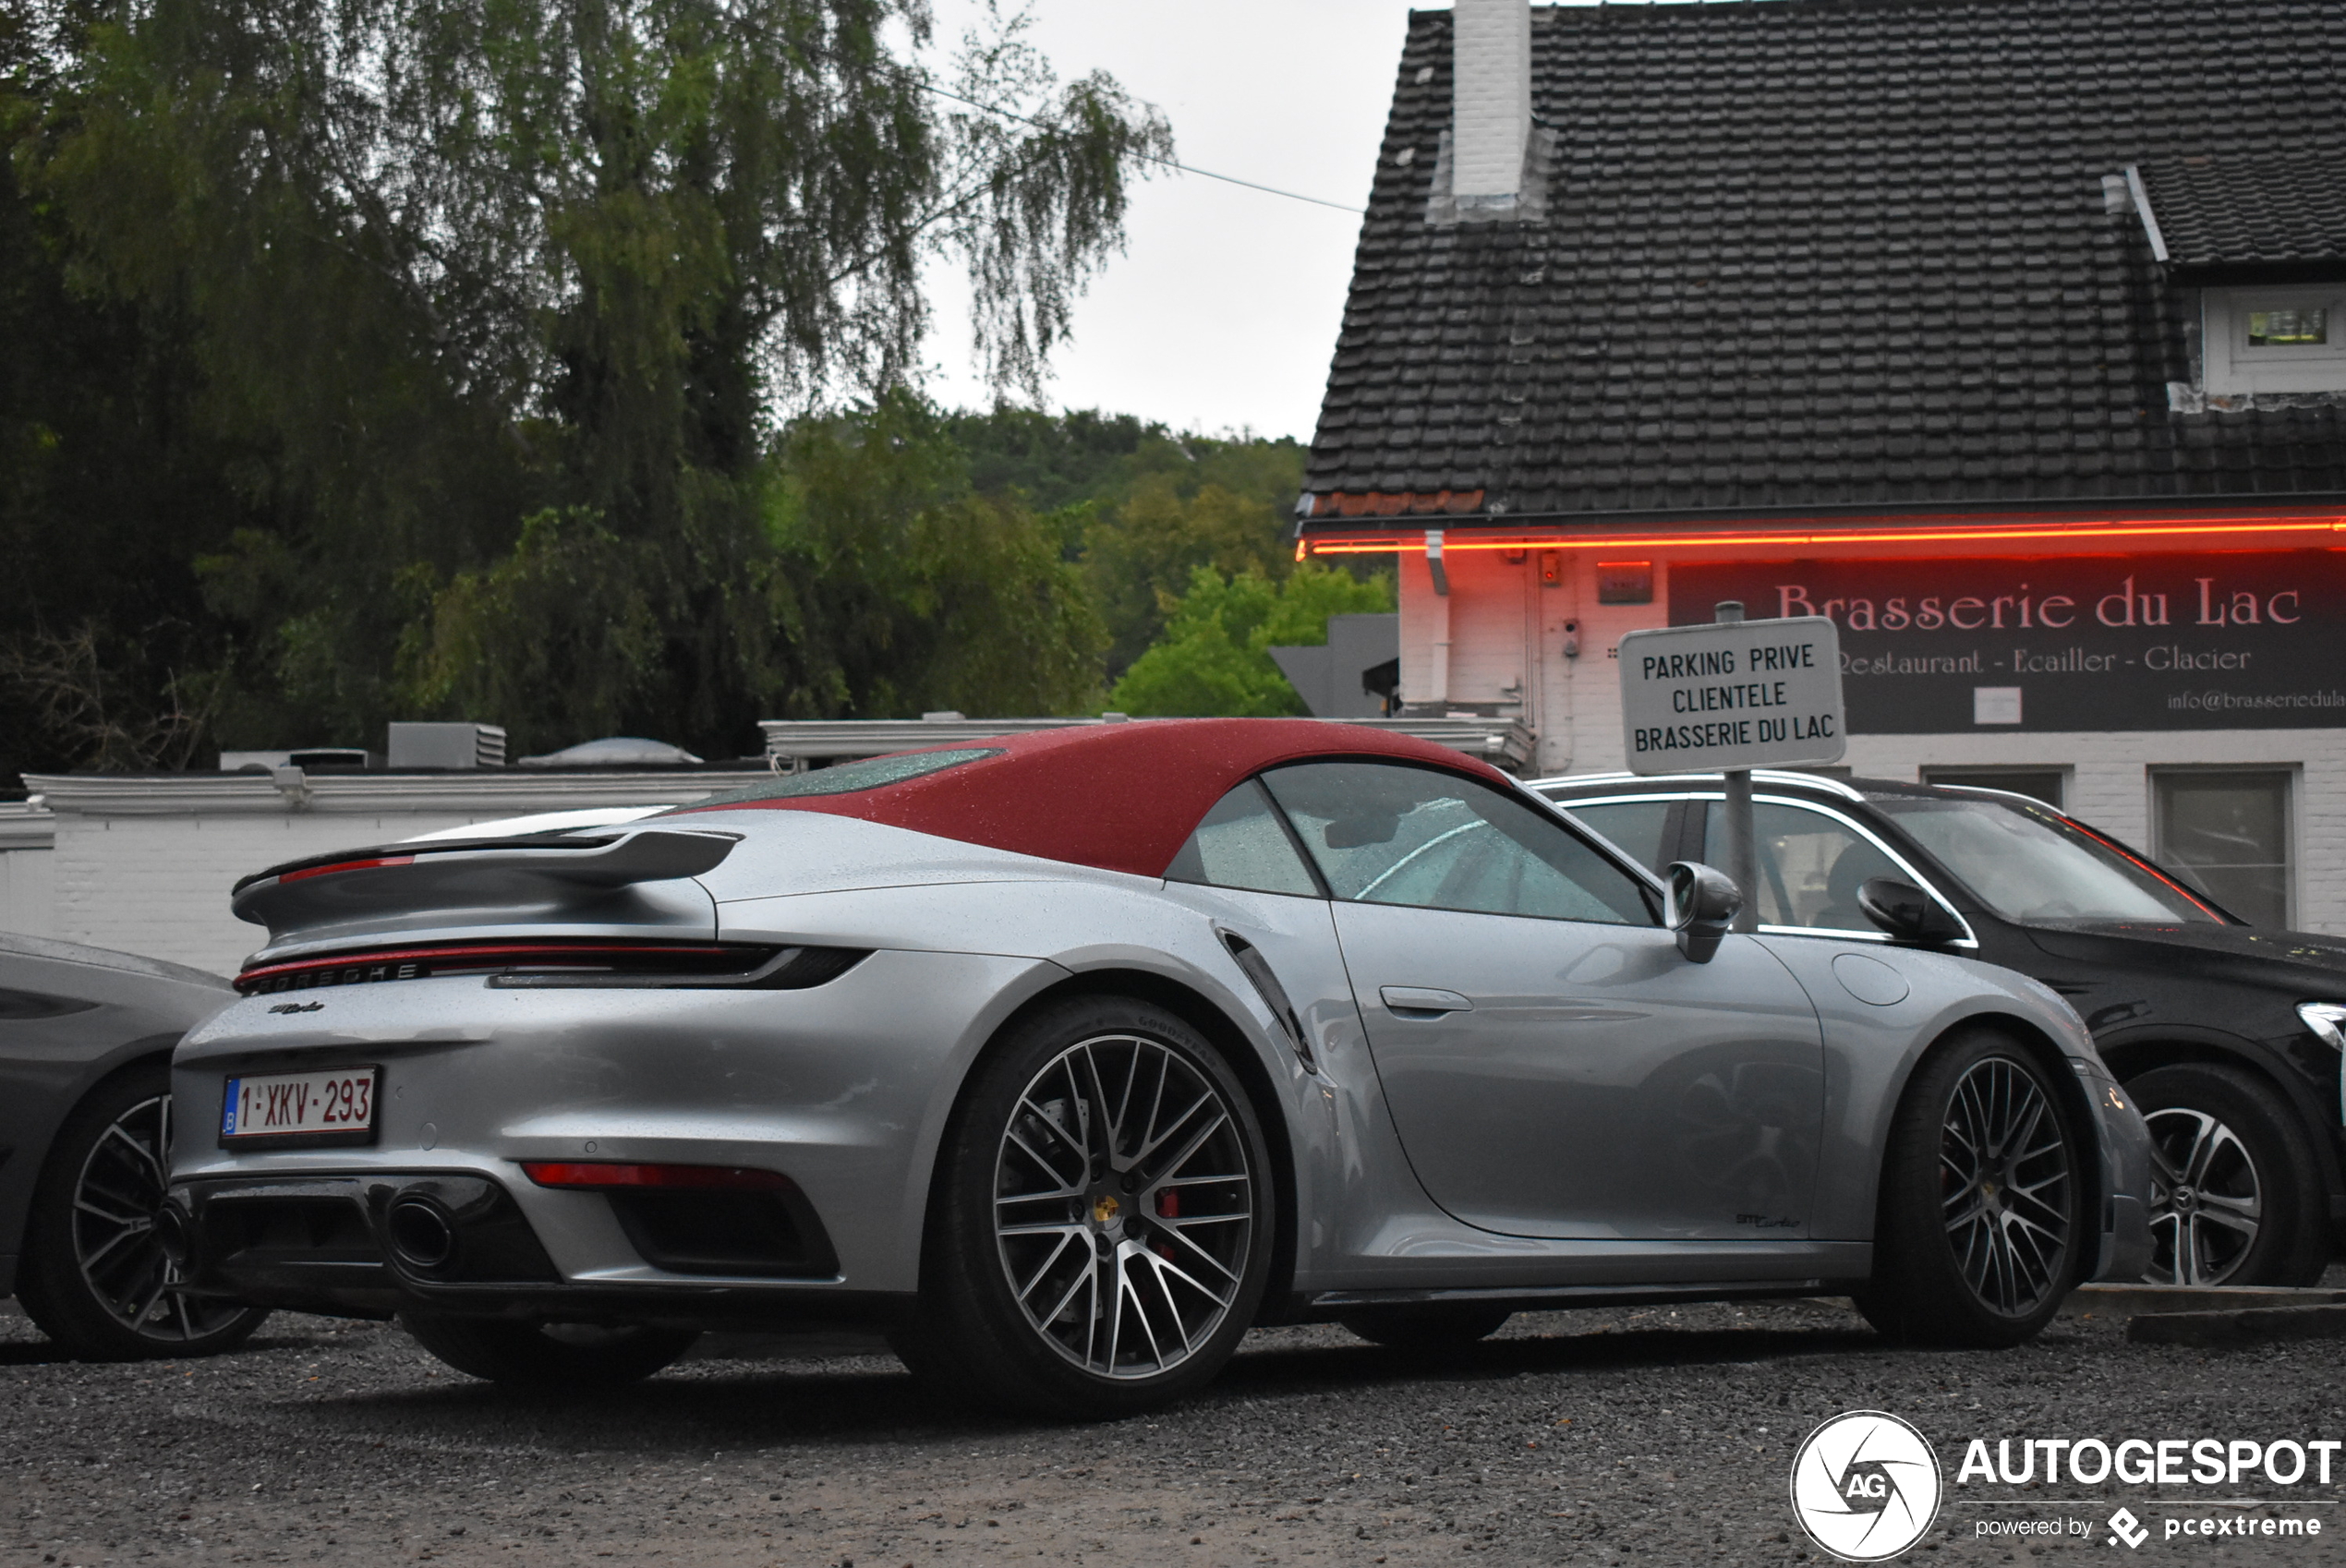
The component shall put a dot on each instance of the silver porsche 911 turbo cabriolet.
(1066, 1057)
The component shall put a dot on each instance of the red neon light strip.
(346, 865)
(2202, 529)
(503, 949)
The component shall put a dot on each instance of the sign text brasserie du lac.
(2099, 643)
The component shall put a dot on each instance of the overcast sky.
(1222, 312)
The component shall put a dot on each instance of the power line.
(1149, 157)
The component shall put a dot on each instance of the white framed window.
(2287, 338)
(2229, 831)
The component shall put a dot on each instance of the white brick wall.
(25, 901)
(1491, 95)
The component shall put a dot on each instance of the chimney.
(1491, 102)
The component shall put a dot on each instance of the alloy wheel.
(2206, 1204)
(1124, 1206)
(2005, 1186)
(116, 1194)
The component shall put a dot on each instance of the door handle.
(1422, 999)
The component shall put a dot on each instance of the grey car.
(85, 1132)
(1066, 1058)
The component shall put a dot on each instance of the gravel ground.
(1591, 1436)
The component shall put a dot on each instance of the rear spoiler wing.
(455, 874)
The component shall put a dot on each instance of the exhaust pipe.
(420, 1235)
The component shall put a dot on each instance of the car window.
(1240, 844)
(1384, 833)
(1810, 865)
(1634, 826)
(2032, 865)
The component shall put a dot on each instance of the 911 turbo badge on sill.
(1069, 1057)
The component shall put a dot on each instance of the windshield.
(2034, 866)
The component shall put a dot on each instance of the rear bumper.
(361, 1243)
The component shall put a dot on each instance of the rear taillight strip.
(412, 963)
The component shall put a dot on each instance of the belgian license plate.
(310, 1108)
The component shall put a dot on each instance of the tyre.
(94, 1277)
(2235, 1198)
(1427, 1329)
(544, 1358)
(1100, 1229)
(1982, 1225)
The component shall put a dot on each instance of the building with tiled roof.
(1808, 302)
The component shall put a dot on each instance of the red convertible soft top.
(1122, 797)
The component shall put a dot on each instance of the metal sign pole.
(1743, 856)
(1733, 694)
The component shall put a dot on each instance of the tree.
(1214, 657)
(503, 306)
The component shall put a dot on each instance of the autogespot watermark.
(1866, 1486)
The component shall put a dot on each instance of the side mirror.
(1703, 903)
(1906, 913)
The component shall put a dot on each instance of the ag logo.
(1865, 1486)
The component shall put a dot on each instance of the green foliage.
(869, 582)
(909, 593)
(1215, 657)
(1140, 507)
(426, 356)
(1139, 554)
(559, 636)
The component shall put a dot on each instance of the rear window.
(848, 778)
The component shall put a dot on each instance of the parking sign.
(1750, 693)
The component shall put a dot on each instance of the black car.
(2229, 1034)
(85, 1140)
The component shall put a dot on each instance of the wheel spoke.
(1065, 1190)
(1158, 1269)
(2242, 1225)
(1088, 1276)
(1108, 1131)
(1173, 1231)
(2249, 1208)
(1160, 1139)
(127, 1222)
(2202, 1145)
(1192, 1147)
(138, 1152)
(1056, 1254)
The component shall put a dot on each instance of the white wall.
(25, 902)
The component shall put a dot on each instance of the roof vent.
(447, 745)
